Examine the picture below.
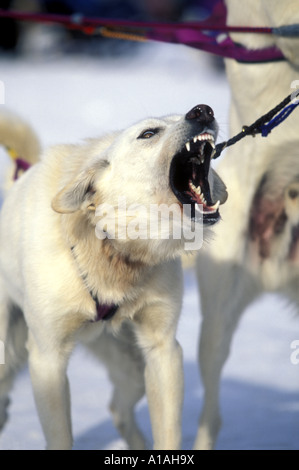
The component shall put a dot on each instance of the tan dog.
(255, 247)
(69, 274)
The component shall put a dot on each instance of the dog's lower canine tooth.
(215, 207)
(202, 155)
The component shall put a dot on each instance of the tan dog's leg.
(47, 366)
(221, 309)
(156, 330)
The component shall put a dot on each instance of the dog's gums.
(189, 173)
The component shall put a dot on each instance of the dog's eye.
(148, 133)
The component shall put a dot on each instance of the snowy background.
(67, 97)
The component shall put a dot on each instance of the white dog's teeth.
(215, 207)
(201, 138)
(205, 136)
(196, 189)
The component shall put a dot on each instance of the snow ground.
(69, 97)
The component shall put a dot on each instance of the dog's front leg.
(156, 330)
(51, 393)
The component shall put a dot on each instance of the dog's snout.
(201, 113)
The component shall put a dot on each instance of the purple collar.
(104, 311)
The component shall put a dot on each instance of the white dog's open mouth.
(189, 172)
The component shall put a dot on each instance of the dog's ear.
(80, 190)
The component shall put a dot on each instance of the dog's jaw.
(189, 171)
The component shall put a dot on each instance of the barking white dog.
(70, 273)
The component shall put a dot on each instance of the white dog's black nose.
(201, 113)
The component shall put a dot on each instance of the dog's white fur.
(19, 139)
(50, 260)
(242, 262)
(17, 135)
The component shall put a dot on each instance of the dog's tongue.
(198, 196)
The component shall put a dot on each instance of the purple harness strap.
(188, 33)
(213, 44)
(21, 165)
